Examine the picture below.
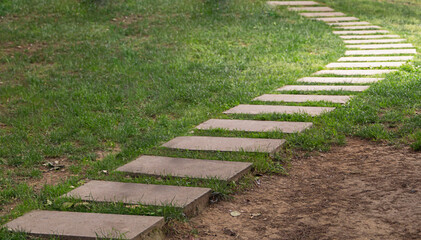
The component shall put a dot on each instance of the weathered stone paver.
(360, 32)
(376, 46)
(380, 52)
(339, 80)
(255, 126)
(322, 88)
(348, 23)
(225, 144)
(277, 109)
(191, 199)
(292, 3)
(89, 226)
(368, 36)
(375, 41)
(364, 64)
(186, 167)
(336, 19)
(368, 59)
(302, 98)
(311, 9)
(353, 72)
(359, 27)
(321, 14)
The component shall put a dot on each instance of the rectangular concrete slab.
(225, 144)
(380, 52)
(322, 88)
(364, 64)
(360, 32)
(277, 109)
(348, 23)
(322, 14)
(186, 167)
(311, 9)
(191, 199)
(336, 19)
(302, 98)
(339, 80)
(359, 27)
(375, 41)
(88, 226)
(254, 125)
(368, 36)
(377, 46)
(292, 3)
(353, 72)
(368, 59)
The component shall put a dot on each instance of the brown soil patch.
(7, 208)
(101, 154)
(125, 21)
(363, 190)
(10, 48)
(52, 175)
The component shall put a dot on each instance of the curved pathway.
(369, 47)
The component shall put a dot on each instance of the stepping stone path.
(322, 88)
(302, 98)
(353, 72)
(323, 14)
(292, 3)
(337, 19)
(368, 36)
(381, 52)
(370, 59)
(191, 199)
(360, 32)
(338, 80)
(365, 65)
(348, 23)
(312, 9)
(78, 225)
(375, 41)
(225, 144)
(254, 126)
(359, 27)
(374, 46)
(277, 109)
(186, 167)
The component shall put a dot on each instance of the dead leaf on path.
(133, 206)
(81, 204)
(235, 213)
(67, 205)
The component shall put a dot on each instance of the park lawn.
(94, 84)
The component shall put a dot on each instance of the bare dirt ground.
(363, 190)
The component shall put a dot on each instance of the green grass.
(121, 77)
(389, 110)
